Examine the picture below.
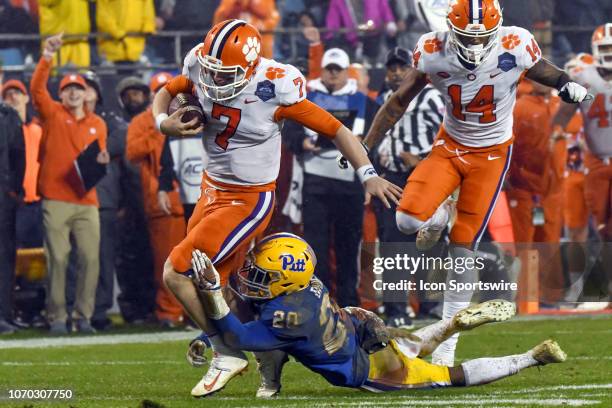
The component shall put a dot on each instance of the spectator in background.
(371, 17)
(535, 16)
(180, 15)
(409, 141)
(109, 197)
(68, 128)
(535, 181)
(183, 159)
(70, 17)
(165, 223)
(29, 214)
(260, 13)
(119, 18)
(333, 198)
(12, 168)
(134, 261)
(15, 19)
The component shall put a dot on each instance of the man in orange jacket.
(535, 181)
(68, 128)
(29, 215)
(166, 225)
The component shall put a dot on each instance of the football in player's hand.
(194, 109)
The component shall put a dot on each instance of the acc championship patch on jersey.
(265, 90)
(506, 62)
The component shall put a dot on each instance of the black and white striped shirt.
(414, 132)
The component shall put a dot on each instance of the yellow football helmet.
(279, 264)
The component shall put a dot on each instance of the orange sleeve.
(315, 56)
(179, 84)
(138, 143)
(310, 115)
(41, 98)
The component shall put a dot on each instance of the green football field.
(149, 370)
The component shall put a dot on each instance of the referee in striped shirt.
(409, 141)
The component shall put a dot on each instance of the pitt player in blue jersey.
(349, 347)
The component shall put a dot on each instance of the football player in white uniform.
(476, 65)
(245, 99)
(597, 116)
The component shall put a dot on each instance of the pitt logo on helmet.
(474, 27)
(290, 264)
(228, 58)
(279, 264)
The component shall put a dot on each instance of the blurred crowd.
(354, 51)
(121, 31)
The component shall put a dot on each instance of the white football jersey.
(479, 102)
(597, 112)
(242, 140)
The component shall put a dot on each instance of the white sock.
(432, 335)
(486, 370)
(439, 219)
(453, 303)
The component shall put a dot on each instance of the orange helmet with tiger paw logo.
(228, 59)
(474, 28)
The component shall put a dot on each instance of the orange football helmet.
(228, 58)
(581, 60)
(474, 27)
(602, 46)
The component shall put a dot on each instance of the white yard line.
(44, 342)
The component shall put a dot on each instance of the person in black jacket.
(12, 169)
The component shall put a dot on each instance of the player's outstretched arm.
(546, 73)
(251, 336)
(353, 151)
(395, 107)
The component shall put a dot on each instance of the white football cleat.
(482, 313)
(548, 352)
(428, 237)
(270, 365)
(221, 370)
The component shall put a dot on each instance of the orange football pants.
(224, 222)
(479, 172)
(575, 211)
(598, 191)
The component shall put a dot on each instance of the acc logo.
(506, 62)
(290, 264)
(191, 171)
(251, 49)
(265, 90)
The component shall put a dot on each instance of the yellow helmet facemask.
(278, 265)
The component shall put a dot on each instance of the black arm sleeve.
(166, 175)
(546, 73)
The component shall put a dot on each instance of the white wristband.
(159, 119)
(366, 172)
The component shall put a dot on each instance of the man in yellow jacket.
(118, 18)
(70, 17)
